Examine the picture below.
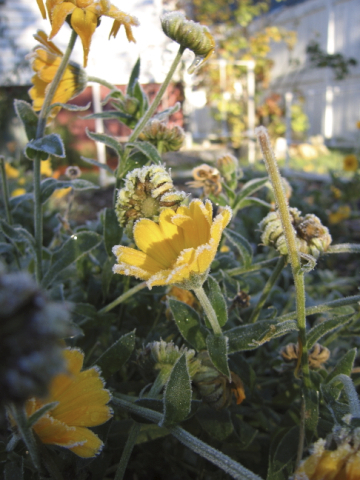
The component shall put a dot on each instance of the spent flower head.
(84, 16)
(73, 172)
(208, 178)
(189, 34)
(146, 193)
(318, 354)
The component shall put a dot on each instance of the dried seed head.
(147, 191)
(158, 133)
(317, 355)
(73, 172)
(208, 178)
(312, 237)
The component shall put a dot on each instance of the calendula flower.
(46, 59)
(81, 403)
(350, 163)
(342, 213)
(17, 192)
(177, 250)
(208, 178)
(343, 463)
(45, 168)
(84, 18)
(10, 171)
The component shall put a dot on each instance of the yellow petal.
(122, 18)
(130, 271)
(84, 22)
(132, 257)
(150, 239)
(41, 8)
(89, 444)
(41, 37)
(173, 234)
(58, 16)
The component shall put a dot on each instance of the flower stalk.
(5, 190)
(208, 309)
(130, 443)
(123, 297)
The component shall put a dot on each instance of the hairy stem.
(102, 82)
(344, 248)
(125, 456)
(208, 309)
(252, 268)
(123, 297)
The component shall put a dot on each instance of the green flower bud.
(165, 139)
(312, 238)
(227, 165)
(189, 34)
(30, 330)
(130, 105)
(147, 191)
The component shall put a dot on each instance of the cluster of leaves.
(262, 433)
(336, 61)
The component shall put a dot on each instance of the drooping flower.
(208, 178)
(84, 18)
(350, 163)
(81, 403)
(177, 250)
(46, 59)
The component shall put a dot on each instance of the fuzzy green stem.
(208, 309)
(227, 464)
(18, 412)
(344, 248)
(125, 456)
(102, 82)
(252, 268)
(267, 289)
(151, 110)
(38, 214)
(300, 449)
(5, 190)
(123, 297)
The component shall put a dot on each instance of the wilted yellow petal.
(58, 16)
(84, 23)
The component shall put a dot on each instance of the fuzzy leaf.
(134, 78)
(164, 114)
(148, 150)
(49, 185)
(217, 424)
(109, 115)
(70, 107)
(112, 230)
(107, 140)
(17, 234)
(325, 327)
(249, 337)
(74, 248)
(248, 189)
(177, 396)
(285, 451)
(116, 356)
(241, 244)
(218, 352)
(188, 323)
(27, 116)
(98, 164)
(217, 300)
(49, 145)
(40, 413)
(311, 412)
(344, 365)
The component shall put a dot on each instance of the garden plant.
(172, 337)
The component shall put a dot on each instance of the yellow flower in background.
(358, 124)
(350, 163)
(17, 192)
(46, 59)
(84, 18)
(178, 249)
(11, 172)
(81, 403)
(342, 213)
(45, 168)
(336, 192)
(61, 193)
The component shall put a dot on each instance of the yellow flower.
(84, 18)
(358, 124)
(61, 192)
(17, 192)
(350, 163)
(178, 249)
(342, 213)
(45, 168)
(336, 192)
(10, 171)
(82, 403)
(225, 249)
(46, 59)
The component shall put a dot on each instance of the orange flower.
(81, 403)
(84, 18)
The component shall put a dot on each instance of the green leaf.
(230, 193)
(14, 470)
(285, 451)
(217, 424)
(241, 244)
(252, 202)
(70, 107)
(107, 276)
(49, 185)
(109, 115)
(248, 189)
(117, 355)
(134, 78)
(217, 301)
(311, 412)
(188, 323)
(105, 166)
(177, 395)
(17, 234)
(325, 327)
(344, 365)
(164, 114)
(49, 145)
(112, 230)
(27, 116)
(140, 95)
(40, 413)
(72, 250)
(218, 352)
(250, 337)
(148, 150)
(109, 141)
(19, 199)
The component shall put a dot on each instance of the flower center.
(150, 207)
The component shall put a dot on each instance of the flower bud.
(147, 191)
(208, 178)
(227, 165)
(189, 34)
(165, 139)
(312, 238)
(30, 330)
(130, 105)
(213, 387)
